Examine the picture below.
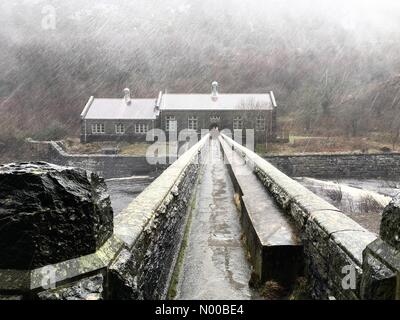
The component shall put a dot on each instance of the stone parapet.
(136, 261)
(333, 243)
(151, 228)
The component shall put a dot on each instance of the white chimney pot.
(127, 96)
(214, 92)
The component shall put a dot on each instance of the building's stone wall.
(335, 165)
(226, 121)
(204, 122)
(333, 243)
(110, 134)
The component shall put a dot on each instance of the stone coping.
(346, 233)
(51, 275)
(132, 220)
(386, 254)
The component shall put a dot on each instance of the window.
(119, 128)
(98, 128)
(260, 123)
(192, 123)
(215, 119)
(170, 123)
(141, 128)
(237, 123)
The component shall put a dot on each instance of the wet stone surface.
(215, 265)
(273, 241)
(331, 239)
(381, 265)
(50, 214)
(390, 225)
(85, 289)
(151, 227)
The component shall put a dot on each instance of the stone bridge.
(219, 223)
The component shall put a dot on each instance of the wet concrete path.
(215, 264)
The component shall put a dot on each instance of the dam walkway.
(218, 222)
(217, 263)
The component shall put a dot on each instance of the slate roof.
(119, 110)
(145, 108)
(223, 102)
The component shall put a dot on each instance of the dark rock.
(390, 225)
(123, 277)
(50, 214)
(85, 289)
(378, 281)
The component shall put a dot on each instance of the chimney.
(158, 102)
(214, 92)
(127, 96)
(272, 96)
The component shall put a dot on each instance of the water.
(123, 190)
(361, 200)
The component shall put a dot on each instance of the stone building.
(130, 119)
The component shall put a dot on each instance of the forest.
(334, 66)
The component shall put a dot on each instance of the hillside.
(330, 77)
